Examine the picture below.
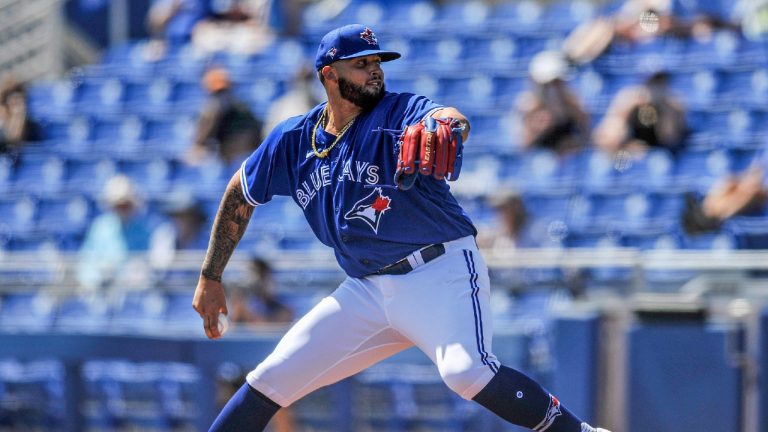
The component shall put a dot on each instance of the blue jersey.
(349, 198)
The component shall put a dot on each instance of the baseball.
(649, 21)
(223, 325)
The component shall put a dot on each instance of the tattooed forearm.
(228, 228)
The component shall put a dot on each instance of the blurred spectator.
(745, 194)
(753, 15)
(173, 20)
(236, 26)
(552, 116)
(635, 21)
(256, 301)
(643, 116)
(511, 221)
(108, 254)
(186, 229)
(298, 100)
(226, 125)
(16, 127)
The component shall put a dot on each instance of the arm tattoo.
(228, 228)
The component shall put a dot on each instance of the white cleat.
(587, 428)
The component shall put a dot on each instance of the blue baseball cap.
(350, 41)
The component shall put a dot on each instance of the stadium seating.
(134, 114)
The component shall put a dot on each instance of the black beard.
(359, 96)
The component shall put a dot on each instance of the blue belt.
(422, 256)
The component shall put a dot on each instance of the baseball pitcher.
(369, 170)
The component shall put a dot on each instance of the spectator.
(173, 20)
(236, 26)
(552, 116)
(298, 100)
(511, 223)
(741, 195)
(256, 302)
(641, 117)
(753, 15)
(186, 229)
(635, 21)
(226, 125)
(16, 127)
(108, 254)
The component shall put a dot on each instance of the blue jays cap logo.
(369, 37)
(350, 41)
(370, 209)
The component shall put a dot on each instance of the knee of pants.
(466, 382)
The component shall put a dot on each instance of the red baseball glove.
(431, 146)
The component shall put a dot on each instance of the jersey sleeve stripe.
(244, 186)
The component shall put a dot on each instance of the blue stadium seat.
(611, 209)
(414, 18)
(65, 215)
(751, 232)
(151, 175)
(169, 135)
(565, 15)
(723, 240)
(7, 173)
(498, 53)
(208, 180)
(470, 92)
(27, 311)
(41, 244)
(148, 97)
(549, 205)
(466, 17)
(95, 96)
(179, 315)
(88, 314)
(539, 170)
(744, 88)
(132, 60)
(437, 55)
(42, 175)
(518, 17)
(721, 50)
(118, 135)
(54, 98)
(697, 88)
(18, 215)
(89, 174)
(699, 170)
(188, 93)
(139, 311)
(72, 134)
(260, 93)
(735, 127)
(649, 237)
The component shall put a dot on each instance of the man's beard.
(358, 95)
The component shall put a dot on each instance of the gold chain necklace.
(324, 153)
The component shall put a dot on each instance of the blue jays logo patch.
(369, 37)
(331, 52)
(370, 209)
(552, 413)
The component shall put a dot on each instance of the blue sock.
(247, 410)
(520, 400)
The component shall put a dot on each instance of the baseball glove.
(429, 147)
